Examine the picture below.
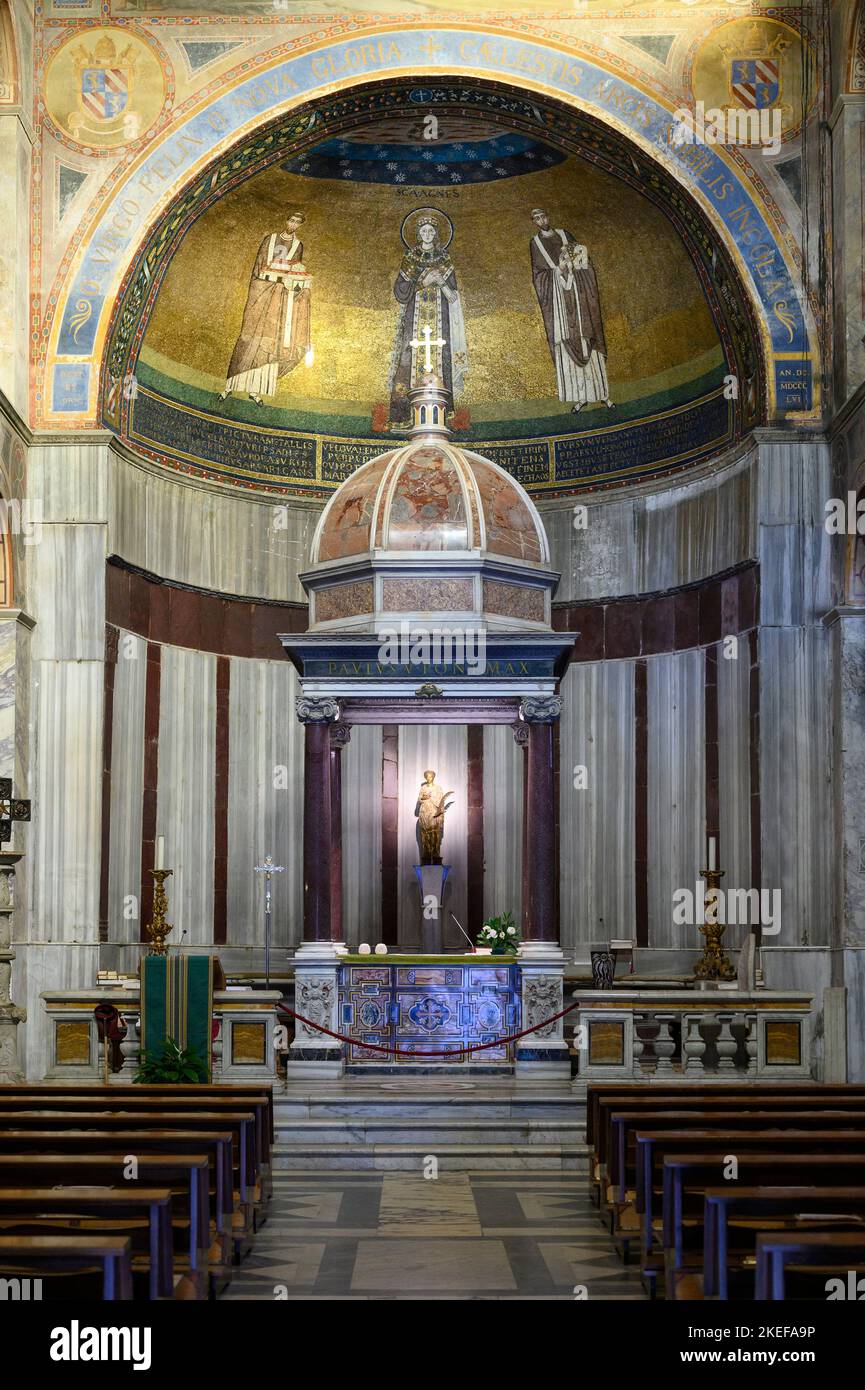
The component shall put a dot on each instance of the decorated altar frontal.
(422, 1013)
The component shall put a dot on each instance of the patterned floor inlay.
(406, 1209)
(462, 1235)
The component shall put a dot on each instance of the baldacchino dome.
(430, 531)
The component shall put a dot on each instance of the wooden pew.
(184, 1176)
(239, 1124)
(613, 1117)
(144, 1214)
(257, 1095)
(43, 1256)
(835, 1254)
(663, 1091)
(143, 1143)
(113, 1100)
(744, 1209)
(685, 1150)
(630, 1131)
(601, 1097)
(624, 1126)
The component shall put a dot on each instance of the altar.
(428, 1011)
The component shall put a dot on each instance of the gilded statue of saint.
(432, 803)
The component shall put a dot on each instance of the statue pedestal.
(316, 998)
(432, 879)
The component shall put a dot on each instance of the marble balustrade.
(693, 1034)
(243, 1050)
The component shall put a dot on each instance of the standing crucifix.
(427, 341)
(268, 868)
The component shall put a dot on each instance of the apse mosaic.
(570, 301)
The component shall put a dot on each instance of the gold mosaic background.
(659, 330)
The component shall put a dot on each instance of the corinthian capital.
(540, 709)
(317, 709)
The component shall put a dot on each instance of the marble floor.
(459, 1235)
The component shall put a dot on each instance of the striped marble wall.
(656, 539)
(796, 792)
(222, 540)
(361, 840)
(601, 865)
(185, 798)
(734, 764)
(795, 681)
(65, 593)
(264, 796)
(127, 764)
(603, 871)
(647, 540)
(597, 849)
(265, 801)
(503, 823)
(676, 788)
(638, 725)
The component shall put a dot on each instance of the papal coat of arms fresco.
(756, 65)
(755, 82)
(104, 88)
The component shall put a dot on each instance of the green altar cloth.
(177, 1003)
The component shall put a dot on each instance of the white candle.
(160, 853)
(713, 852)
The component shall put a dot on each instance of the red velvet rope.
(408, 1052)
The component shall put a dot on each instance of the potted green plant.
(500, 933)
(170, 1065)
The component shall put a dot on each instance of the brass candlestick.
(158, 929)
(714, 964)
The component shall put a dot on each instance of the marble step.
(469, 1106)
(431, 1131)
(412, 1158)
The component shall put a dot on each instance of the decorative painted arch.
(540, 120)
(855, 74)
(9, 76)
(714, 178)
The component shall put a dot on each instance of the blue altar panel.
(421, 1008)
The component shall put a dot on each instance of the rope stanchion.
(440, 1052)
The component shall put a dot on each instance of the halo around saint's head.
(411, 223)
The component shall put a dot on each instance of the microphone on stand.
(473, 947)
